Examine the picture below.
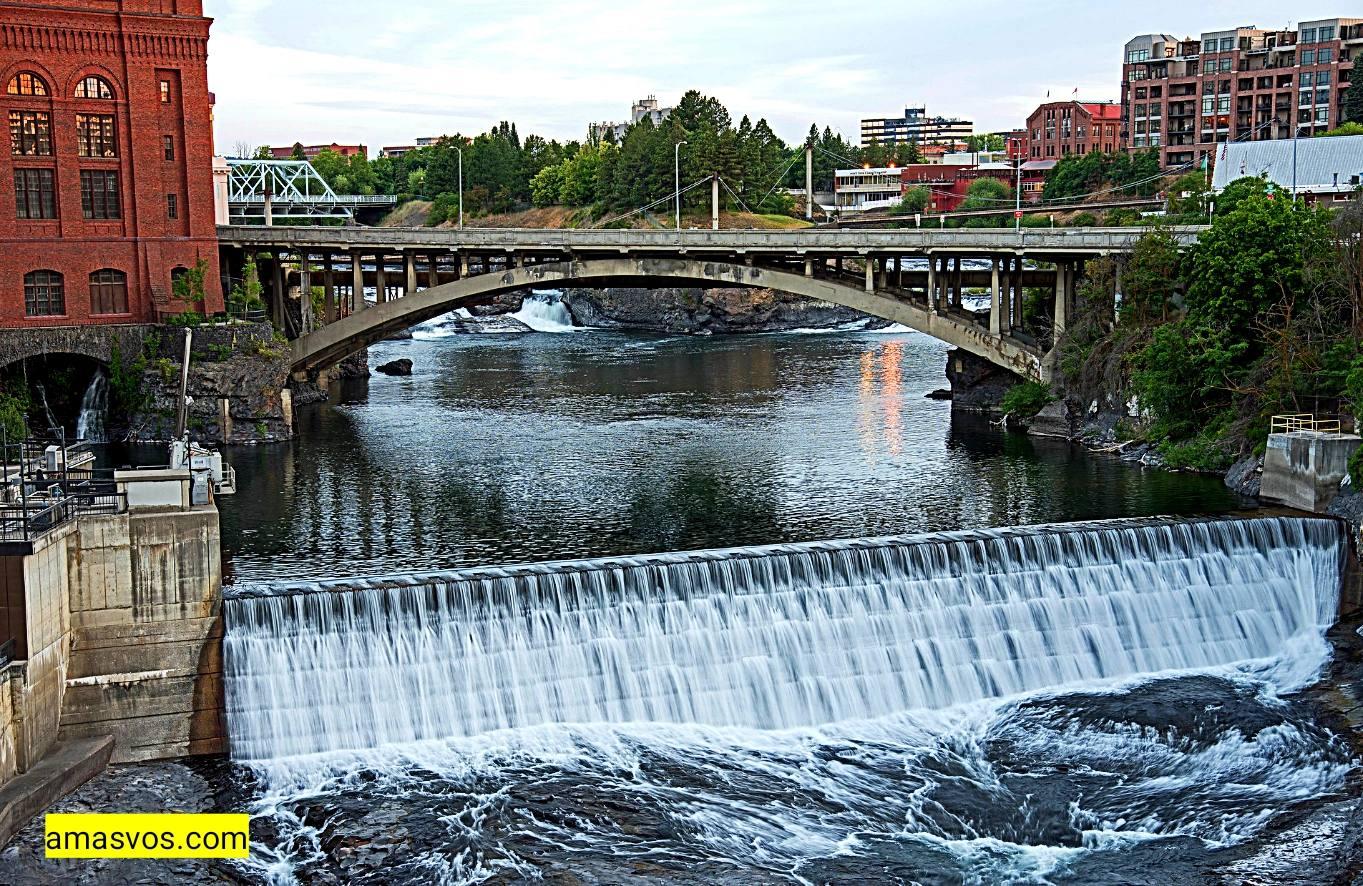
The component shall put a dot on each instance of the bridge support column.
(409, 282)
(277, 286)
(1019, 293)
(932, 284)
(1061, 318)
(943, 284)
(956, 300)
(380, 278)
(463, 270)
(998, 309)
(356, 282)
(329, 282)
(870, 273)
(884, 272)
(433, 270)
(809, 267)
(899, 272)
(306, 315)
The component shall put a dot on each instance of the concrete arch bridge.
(914, 277)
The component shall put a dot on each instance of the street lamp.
(461, 187)
(1017, 212)
(676, 163)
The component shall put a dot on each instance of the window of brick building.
(168, 146)
(95, 135)
(30, 133)
(35, 193)
(44, 294)
(27, 83)
(165, 92)
(108, 292)
(94, 87)
(99, 197)
(172, 206)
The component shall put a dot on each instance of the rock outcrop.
(402, 367)
(706, 311)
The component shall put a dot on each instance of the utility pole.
(676, 161)
(809, 180)
(714, 202)
(461, 188)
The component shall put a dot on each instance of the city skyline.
(576, 63)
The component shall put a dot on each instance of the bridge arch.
(334, 342)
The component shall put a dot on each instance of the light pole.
(461, 187)
(1296, 130)
(676, 163)
(1017, 212)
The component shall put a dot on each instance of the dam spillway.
(770, 638)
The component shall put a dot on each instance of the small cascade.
(94, 408)
(545, 312)
(776, 637)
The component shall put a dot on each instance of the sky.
(385, 73)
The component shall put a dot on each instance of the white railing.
(1305, 423)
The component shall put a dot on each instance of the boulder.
(401, 366)
(1246, 476)
(1052, 421)
(939, 394)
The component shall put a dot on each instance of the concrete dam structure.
(772, 638)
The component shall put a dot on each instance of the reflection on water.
(518, 448)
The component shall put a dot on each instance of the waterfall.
(94, 406)
(775, 637)
(545, 312)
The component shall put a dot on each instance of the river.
(1116, 704)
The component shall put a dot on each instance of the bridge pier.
(356, 281)
(1017, 294)
(409, 279)
(870, 273)
(433, 270)
(998, 309)
(380, 278)
(957, 299)
(329, 312)
(277, 289)
(932, 284)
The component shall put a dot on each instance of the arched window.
(44, 294)
(27, 83)
(108, 292)
(94, 87)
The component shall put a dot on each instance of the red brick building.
(1058, 129)
(310, 152)
(106, 191)
(947, 183)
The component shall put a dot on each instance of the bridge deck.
(1037, 243)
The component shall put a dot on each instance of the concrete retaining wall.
(1303, 469)
(122, 637)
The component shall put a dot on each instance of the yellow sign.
(168, 835)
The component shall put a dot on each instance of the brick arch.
(54, 83)
(95, 70)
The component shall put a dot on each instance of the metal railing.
(1305, 422)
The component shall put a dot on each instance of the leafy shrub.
(1026, 400)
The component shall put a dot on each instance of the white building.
(857, 190)
(644, 107)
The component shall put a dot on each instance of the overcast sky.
(384, 73)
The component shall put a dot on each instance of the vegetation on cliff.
(1263, 316)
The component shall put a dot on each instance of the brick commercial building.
(310, 152)
(1186, 96)
(1058, 129)
(106, 191)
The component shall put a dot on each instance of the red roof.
(1103, 110)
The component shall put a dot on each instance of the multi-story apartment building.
(915, 127)
(1058, 129)
(110, 166)
(1184, 97)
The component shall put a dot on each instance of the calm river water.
(513, 448)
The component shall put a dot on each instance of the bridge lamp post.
(676, 165)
